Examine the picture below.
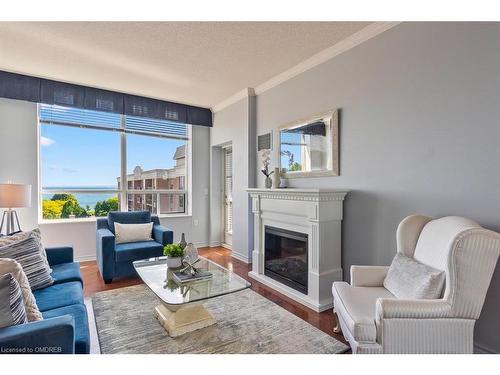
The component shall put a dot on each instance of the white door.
(228, 197)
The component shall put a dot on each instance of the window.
(83, 152)
(155, 164)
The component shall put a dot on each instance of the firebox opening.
(286, 257)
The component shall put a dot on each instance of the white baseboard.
(291, 293)
(226, 246)
(201, 244)
(240, 257)
(215, 243)
(84, 258)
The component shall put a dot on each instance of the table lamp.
(13, 196)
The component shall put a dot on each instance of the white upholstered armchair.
(373, 320)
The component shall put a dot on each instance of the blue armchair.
(115, 260)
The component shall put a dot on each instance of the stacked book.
(182, 278)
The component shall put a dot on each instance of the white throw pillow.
(11, 266)
(133, 232)
(408, 278)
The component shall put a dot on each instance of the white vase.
(269, 183)
(276, 178)
(174, 262)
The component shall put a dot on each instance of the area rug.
(246, 323)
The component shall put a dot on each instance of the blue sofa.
(65, 327)
(115, 260)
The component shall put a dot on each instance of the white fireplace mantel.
(315, 212)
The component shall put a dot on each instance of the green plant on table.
(173, 250)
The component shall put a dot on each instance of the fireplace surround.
(285, 220)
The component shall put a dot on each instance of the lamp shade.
(15, 195)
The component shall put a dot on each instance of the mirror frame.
(333, 117)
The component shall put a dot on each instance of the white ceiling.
(199, 63)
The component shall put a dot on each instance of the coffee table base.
(186, 318)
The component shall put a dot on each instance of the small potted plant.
(174, 253)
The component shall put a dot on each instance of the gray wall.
(236, 125)
(18, 150)
(420, 133)
(18, 162)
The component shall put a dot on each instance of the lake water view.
(84, 199)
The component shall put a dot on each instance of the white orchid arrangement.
(266, 159)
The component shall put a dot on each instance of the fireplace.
(297, 242)
(286, 257)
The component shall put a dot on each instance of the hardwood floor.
(325, 321)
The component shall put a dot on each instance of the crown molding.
(351, 41)
(348, 43)
(234, 98)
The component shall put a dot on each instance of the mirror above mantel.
(310, 147)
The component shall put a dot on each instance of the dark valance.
(59, 93)
(103, 100)
(199, 115)
(18, 86)
(153, 108)
(314, 128)
(39, 90)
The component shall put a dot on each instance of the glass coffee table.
(181, 307)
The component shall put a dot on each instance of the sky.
(295, 150)
(76, 157)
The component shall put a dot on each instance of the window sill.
(93, 219)
(162, 216)
(67, 221)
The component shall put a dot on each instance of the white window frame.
(123, 191)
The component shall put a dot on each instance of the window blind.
(154, 127)
(228, 188)
(84, 118)
(77, 117)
